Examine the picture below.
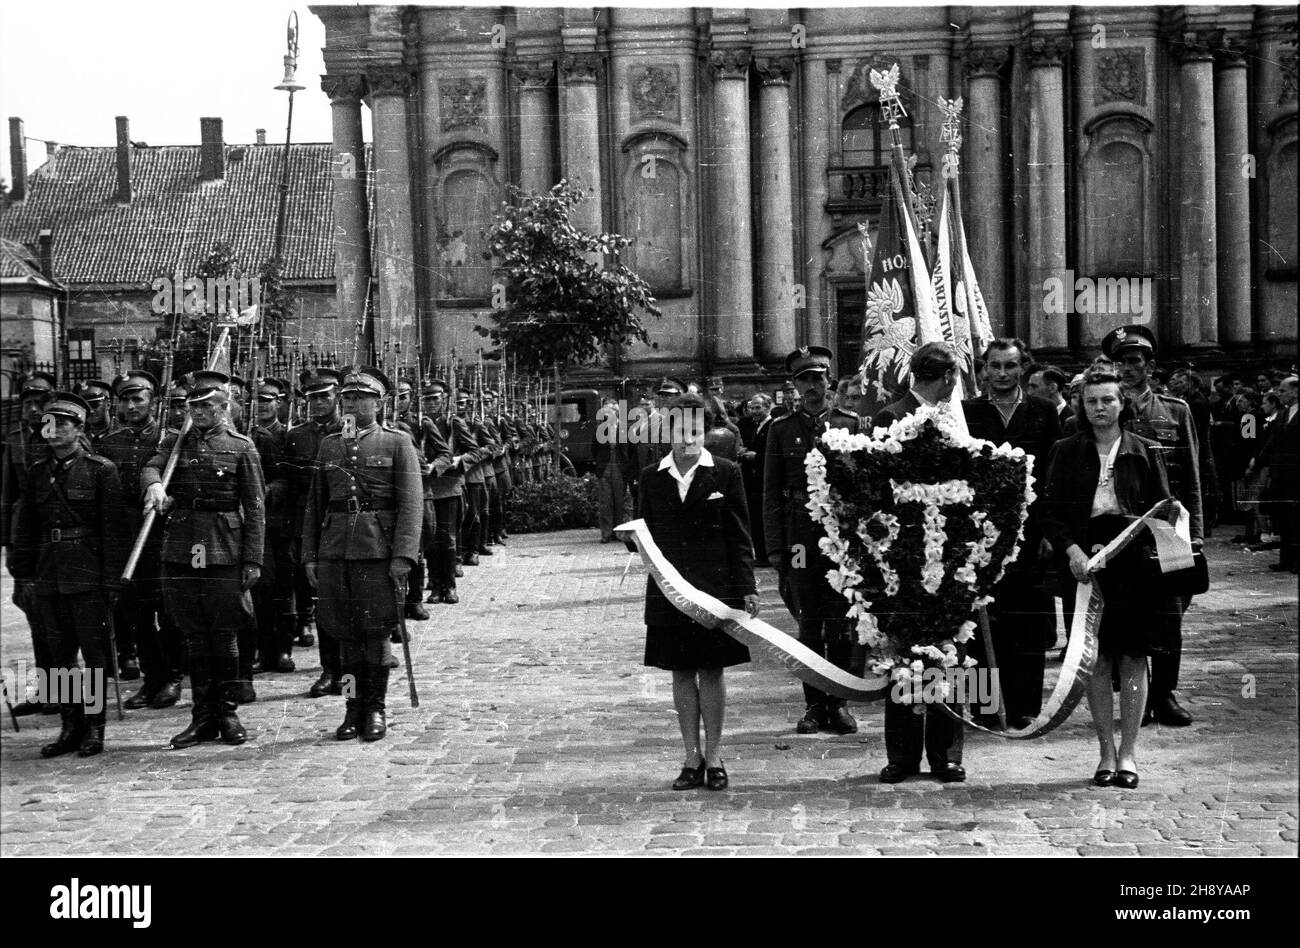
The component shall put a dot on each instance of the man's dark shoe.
(416, 611)
(951, 773)
(449, 596)
(841, 721)
(305, 639)
(130, 669)
(1019, 722)
(459, 572)
(167, 695)
(243, 692)
(471, 559)
(484, 551)
(283, 663)
(1170, 713)
(893, 773)
(813, 720)
(435, 595)
(325, 685)
(144, 697)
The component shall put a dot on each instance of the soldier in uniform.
(69, 548)
(212, 551)
(273, 594)
(139, 615)
(23, 447)
(505, 432)
(361, 537)
(490, 439)
(301, 447)
(174, 418)
(792, 536)
(1167, 421)
(447, 489)
(95, 393)
(237, 387)
(474, 523)
(435, 459)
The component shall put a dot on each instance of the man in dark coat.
(1022, 617)
(791, 535)
(273, 594)
(1281, 455)
(934, 376)
(754, 428)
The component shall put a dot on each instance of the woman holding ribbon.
(1098, 481)
(694, 507)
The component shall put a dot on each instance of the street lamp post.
(289, 84)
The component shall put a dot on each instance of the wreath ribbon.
(1168, 521)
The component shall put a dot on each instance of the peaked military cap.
(94, 391)
(38, 382)
(808, 359)
(1126, 337)
(135, 380)
(68, 405)
(319, 379)
(366, 380)
(207, 385)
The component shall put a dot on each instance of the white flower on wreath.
(966, 632)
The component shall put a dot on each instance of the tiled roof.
(174, 219)
(19, 265)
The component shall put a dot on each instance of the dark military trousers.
(499, 499)
(357, 608)
(471, 534)
(1166, 661)
(822, 625)
(441, 552)
(41, 658)
(487, 530)
(906, 732)
(139, 609)
(76, 622)
(209, 608)
(428, 526)
(273, 597)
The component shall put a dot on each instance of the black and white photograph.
(648, 431)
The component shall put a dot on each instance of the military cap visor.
(67, 405)
(136, 380)
(365, 381)
(319, 380)
(38, 382)
(1128, 337)
(670, 387)
(207, 386)
(808, 359)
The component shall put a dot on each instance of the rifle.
(400, 588)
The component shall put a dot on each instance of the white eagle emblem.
(889, 347)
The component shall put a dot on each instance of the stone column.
(776, 267)
(582, 135)
(536, 128)
(733, 339)
(982, 173)
(1046, 190)
(816, 223)
(1232, 195)
(394, 229)
(351, 231)
(1196, 207)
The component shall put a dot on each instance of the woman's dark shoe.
(1103, 778)
(1126, 779)
(716, 777)
(690, 778)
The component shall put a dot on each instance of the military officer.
(96, 393)
(68, 553)
(361, 537)
(448, 491)
(24, 446)
(273, 594)
(435, 460)
(1167, 421)
(408, 420)
(474, 522)
(792, 536)
(212, 551)
(320, 387)
(139, 616)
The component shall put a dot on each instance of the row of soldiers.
(256, 527)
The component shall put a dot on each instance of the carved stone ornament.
(393, 81)
(1197, 46)
(984, 62)
(348, 89)
(1121, 75)
(730, 63)
(859, 88)
(1287, 87)
(775, 71)
(1045, 51)
(535, 73)
(462, 102)
(580, 67)
(652, 93)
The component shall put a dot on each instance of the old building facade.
(741, 148)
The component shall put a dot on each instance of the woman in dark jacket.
(1099, 481)
(694, 507)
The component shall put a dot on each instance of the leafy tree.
(556, 307)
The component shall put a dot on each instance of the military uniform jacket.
(431, 448)
(301, 445)
(494, 449)
(786, 521)
(70, 528)
(1168, 422)
(501, 462)
(218, 494)
(366, 500)
(460, 442)
(23, 447)
(480, 463)
(270, 441)
(129, 449)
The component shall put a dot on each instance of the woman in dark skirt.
(1098, 481)
(694, 506)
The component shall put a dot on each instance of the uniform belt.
(201, 503)
(354, 505)
(56, 534)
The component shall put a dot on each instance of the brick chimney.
(261, 136)
(17, 159)
(45, 241)
(212, 155)
(123, 160)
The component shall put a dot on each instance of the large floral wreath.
(921, 521)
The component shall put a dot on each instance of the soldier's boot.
(71, 729)
(168, 694)
(244, 693)
(227, 699)
(375, 693)
(203, 719)
(354, 716)
(281, 645)
(145, 696)
(92, 742)
(328, 682)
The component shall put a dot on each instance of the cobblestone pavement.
(539, 731)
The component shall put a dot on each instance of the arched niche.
(468, 193)
(1116, 180)
(656, 204)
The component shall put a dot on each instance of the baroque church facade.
(742, 148)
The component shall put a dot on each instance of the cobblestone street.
(539, 731)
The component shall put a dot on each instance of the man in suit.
(1167, 421)
(1049, 382)
(612, 456)
(1281, 455)
(791, 535)
(1022, 617)
(754, 428)
(934, 376)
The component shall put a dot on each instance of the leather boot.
(375, 691)
(325, 685)
(167, 695)
(232, 732)
(354, 716)
(203, 721)
(72, 726)
(144, 697)
(92, 742)
(244, 693)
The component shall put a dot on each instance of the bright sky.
(67, 67)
